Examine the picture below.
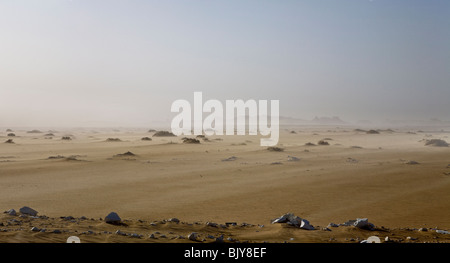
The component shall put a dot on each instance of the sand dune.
(226, 179)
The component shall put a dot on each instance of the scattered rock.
(363, 223)
(163, 134)
(11, 135)
(275, 149)
(229, 159)
(436, 143)
(306, 225)
(146, 139)
(125, 154)
(11, 212)
(293, 220)
(193, 236)
(190, 140)
(293, 159)
(173, 220)
(332, 225)
(219, 239)
(356, 147)
(9, 141)
(309, 144)
(66, 138)
(211, 224)
(322, 142)
(412, 162)
(351, 160)
(113, 218)
(28, 211)
(56, 157)
(442, 232)
(118, 232)
(113, 140)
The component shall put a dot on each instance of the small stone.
(193, 236)
(219, 239)
(28, 211)
(386, 239)
(363, 223)
(305, 225)
(56, 231)
(211, 224)
(423, 229)
(35, 229)
(152, 236)
(332, 225)
(11, 212)
(113, 218)
(293, 159)
(118, 232)
(174, 220)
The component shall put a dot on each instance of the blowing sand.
(225, 179)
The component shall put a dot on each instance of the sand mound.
(163, 134)
(436, 142)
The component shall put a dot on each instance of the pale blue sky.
(123, 63)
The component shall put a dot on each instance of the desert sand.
(389, 177)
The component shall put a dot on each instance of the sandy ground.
(358, 175)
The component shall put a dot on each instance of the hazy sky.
(123, 63)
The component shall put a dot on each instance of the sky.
(86, 63)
